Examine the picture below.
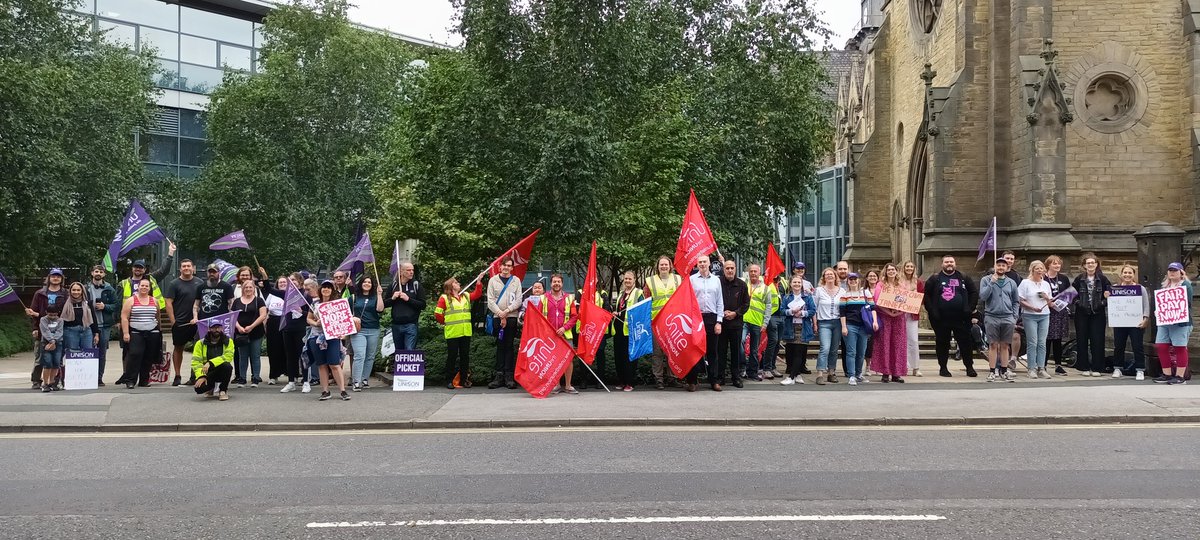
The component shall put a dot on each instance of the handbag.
(490, 315)
(871, 321)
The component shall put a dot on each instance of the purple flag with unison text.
(232, 240)
(362, 252)
(394, 268)
(293, 300)
(227, 320)
(136, 230)
(6, 292)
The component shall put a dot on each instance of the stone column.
(1159, 244)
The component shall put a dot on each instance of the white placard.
(81, 369)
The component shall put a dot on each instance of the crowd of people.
(747, 323)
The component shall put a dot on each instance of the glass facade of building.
(194, 48)
(818, 235)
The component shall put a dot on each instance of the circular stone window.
(1113, 99)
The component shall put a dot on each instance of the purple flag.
(136, 230)
(293, 300)
(232, 240)
(394, 268)
(228, 272)
(225, 319)
(6, 292)
(362, 252)
(989, 241)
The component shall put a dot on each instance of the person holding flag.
(273, 296)
(773, 318)
(659, 289)
(212, 362)
(453, 312)
(627, 296)
(294, 316)
(504, 302)
(560, 312)
(128, 286)
(407, 300)
(710, 298)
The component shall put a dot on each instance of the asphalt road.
(1132, 482)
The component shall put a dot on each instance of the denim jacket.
(788, 330)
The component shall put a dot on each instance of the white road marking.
(580, 429)
(589, 521)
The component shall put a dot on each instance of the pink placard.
(336, 318)
(1170, 306)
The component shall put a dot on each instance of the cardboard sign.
(336, 318)
(900, 300)
(1125, 306)
(161, 372)
(81, 369)
(409, 373)
(1171, 306)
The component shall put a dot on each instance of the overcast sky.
(431, 19)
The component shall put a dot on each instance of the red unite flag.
(695, 238)
(520, 254)
(679, 330)
(543, 356)
(774, 264)
(593, 319)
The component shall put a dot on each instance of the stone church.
(1073, 122)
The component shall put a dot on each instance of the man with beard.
(128, 286)
(49, 299)
(104, 301)
(950, 300)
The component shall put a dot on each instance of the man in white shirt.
(710, 297)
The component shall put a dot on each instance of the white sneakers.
(992, 376)
(1032, 374)
(1141, 375)
(799, 379)
(1116, 373)
(787, 381)
(290, 387)
(307, 388)
(852, 381)
(1042, 373)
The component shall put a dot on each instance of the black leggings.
(625, 368)
(217, 379)
(293, 343)
(144, 350)
(796, 354)
(458, 359)
(1056, 350)
(276, 354)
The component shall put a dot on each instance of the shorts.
(998, 330)
(182, 334)
(51, 359)
(331, 355)
(1176, 335)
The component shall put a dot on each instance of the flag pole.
(589, 368)
(995, 243)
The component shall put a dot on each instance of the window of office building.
(175, 143)
(818, 235)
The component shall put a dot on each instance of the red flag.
(774, 265)
(520, 254)
(593, 319)
(544, 356)
(679, 330)
(695, 238)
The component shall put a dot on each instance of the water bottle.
(500, 336)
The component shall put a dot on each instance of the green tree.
(293, 145)
(70, 102)
(592, 118)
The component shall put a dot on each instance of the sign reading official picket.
(1170, 306)
(409, 374)
(336, 318)
(81, 369)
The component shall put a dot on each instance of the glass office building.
(819, 234)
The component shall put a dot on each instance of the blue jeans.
(830, 334)
(771, 355)
(754, 362)
(856, 349)
(77, 337)
(250, 353)
(105, 334)
(1037, 325)
(405, 336)
(365, 345)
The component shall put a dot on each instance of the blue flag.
(641, 336)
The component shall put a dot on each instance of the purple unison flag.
(232, 240)
(228, 272)
(394, 268)
(293, 300)
(989, 241)
(136, 230)
(227, 320)
(362, 252)
(6, 292)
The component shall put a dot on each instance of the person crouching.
(212, 363)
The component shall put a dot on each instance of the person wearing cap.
(851, 303)
(212, 363)
(1001, 307)
(103, 298)
(213, 296)
(1091, 317)
(49, 299)
(128, 286)
(1171, 340)
(181, 309)
(327, 353)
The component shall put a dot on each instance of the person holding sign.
(798, 329)
(890, 351)
(327, 353)
(1090, 307)
(1129, 291)
(212, 363)
(453, 312)
(1036, 298)
(1060, 316)
(910, 281)
(1173, 314)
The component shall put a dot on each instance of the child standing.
(51, 330)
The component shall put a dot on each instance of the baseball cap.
(799, 265)
(56, 272)
(213, 268)
(140, 262)
(327, 282)
(1175, 266)
(853, 275)
(1001, 260)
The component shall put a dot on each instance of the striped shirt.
(850, 304)
(143, 316)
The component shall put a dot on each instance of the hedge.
(14, 333)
